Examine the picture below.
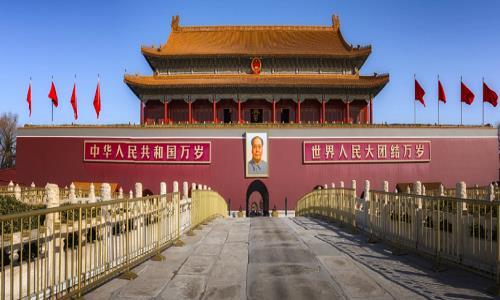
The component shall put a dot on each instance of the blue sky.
(40, 39)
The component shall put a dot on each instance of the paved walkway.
(280, 258)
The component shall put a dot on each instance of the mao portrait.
(256, 154)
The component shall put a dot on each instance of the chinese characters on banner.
(147, 152)
(366, 151)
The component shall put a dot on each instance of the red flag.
(53, 94)
(97, 100)
(441, 94)
(489, 95)
(73, 102)
(28, 98)
(419, 93)
(466, 95)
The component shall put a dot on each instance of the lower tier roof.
(374, 83)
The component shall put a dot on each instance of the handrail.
(61, 252)
(458, 230)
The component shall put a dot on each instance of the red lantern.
(256, 65)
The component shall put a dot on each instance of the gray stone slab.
(197, 265)
(184, 287)
(226, 292)
(208, 249)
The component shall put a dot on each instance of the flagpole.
(30, 101)
(74, 85)
(438, 99)
(414, 103)
(461, 102)
(52, 102)
(483, 103)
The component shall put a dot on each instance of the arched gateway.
(260, 187)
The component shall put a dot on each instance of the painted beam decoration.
(366, 151)
(178, 152)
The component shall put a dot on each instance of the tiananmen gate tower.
(261, 114)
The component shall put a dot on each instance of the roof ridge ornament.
(335, 22)
(175, 23)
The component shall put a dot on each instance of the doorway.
(285, 115)
(261, 201)
(227, 115)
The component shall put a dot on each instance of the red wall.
(60, 160)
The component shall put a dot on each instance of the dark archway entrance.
(260, 187)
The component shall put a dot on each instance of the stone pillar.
(461, 192)
(10, 186)
(200, 187)
(423, 190)
(185, 190)
(33, 184)
(367, 190)
(92, 193)
(175, 187)
(491, 192)
(17, 192)
(209, 188)
(386, 197)
(138, 190)
(120, 193)
(193, 186)
(325, 186)
(204, 187)
(130, 194)
(417, 190)
(163, 188)
(441, 190)
(341, 184)
(333, 185)
(52, 192)
(105, 191)
(408, 190)
(72, 193)
(386, 186)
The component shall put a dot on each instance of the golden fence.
(61, 252)
(206, 205)
(463, 231)
(338, 204)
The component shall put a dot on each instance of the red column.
(190, 112)
(215, 111)
(239, 111)
(366, 112)
(371, 110)
(323, 111)
(274, 111)
(348, 114)
(165, 112)
(142, 112)
(298, 109)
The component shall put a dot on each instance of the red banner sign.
(366, 151)
(147, 152)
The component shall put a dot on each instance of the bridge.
(289, 258)
(180, 246)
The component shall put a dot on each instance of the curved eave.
(362, 52)
(373, 83)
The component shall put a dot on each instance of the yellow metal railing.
(206, 205)
(463, 231)
(337, 204)
(61, 252)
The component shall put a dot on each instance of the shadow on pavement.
(409, 271)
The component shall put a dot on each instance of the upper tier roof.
(312, 41)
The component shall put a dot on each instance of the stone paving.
(288, 258)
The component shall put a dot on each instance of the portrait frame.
(250, 170)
